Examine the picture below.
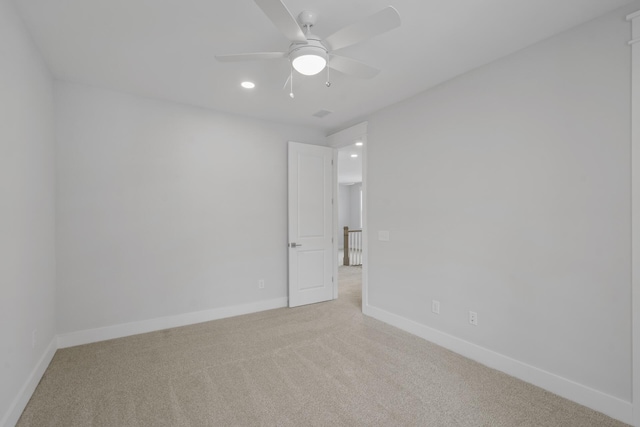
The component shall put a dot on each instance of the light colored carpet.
(318, 365)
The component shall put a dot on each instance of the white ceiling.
(165, 49)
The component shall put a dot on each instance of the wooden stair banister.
(352, 247)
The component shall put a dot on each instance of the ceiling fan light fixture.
(309, 65)
(309, 59)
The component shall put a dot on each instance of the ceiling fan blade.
(284, 21)
(352, 67)
(251, 56)
(378, 23)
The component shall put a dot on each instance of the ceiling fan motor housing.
(314, 45)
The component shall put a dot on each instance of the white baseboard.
(15, 410)
(126, 329)
(594, 399)
(591, 398)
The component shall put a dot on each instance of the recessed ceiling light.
(248, 85)
(354, 155)
(359, 143)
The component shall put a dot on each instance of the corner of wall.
(20, 402)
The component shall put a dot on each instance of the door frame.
(634, 18)
(339, 140)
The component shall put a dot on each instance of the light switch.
(383, 236)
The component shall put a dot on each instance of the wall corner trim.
(88, 336)
(633, 16)
(594, 399)
(20, 402)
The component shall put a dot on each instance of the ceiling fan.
(308, 53)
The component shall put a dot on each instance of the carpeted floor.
(319, 365)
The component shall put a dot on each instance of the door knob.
(294, 245)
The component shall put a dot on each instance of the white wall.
(27, 263)
(344, 211)
(165, 209)
(507, 192)
(355, 213)
(348, 209)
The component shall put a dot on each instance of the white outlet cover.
(435, 306)
(473, 318)
(383, 236)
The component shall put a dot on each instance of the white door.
(310, 224)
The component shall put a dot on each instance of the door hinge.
(331, 279)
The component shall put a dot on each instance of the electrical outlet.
(261, 284)
(435, 306)
(33, 338)
(473, 318)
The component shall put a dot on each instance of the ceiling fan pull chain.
(291, 80)
(328, 83)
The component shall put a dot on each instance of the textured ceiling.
(165, 49)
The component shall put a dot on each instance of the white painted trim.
(347, 136)
(365, 223)
(126, 329)
(635, 220)
(594, 399)
(335, 223)
(633, 16)
(17, 406)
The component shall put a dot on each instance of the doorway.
(350, 220)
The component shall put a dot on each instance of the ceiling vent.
(322, 113)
